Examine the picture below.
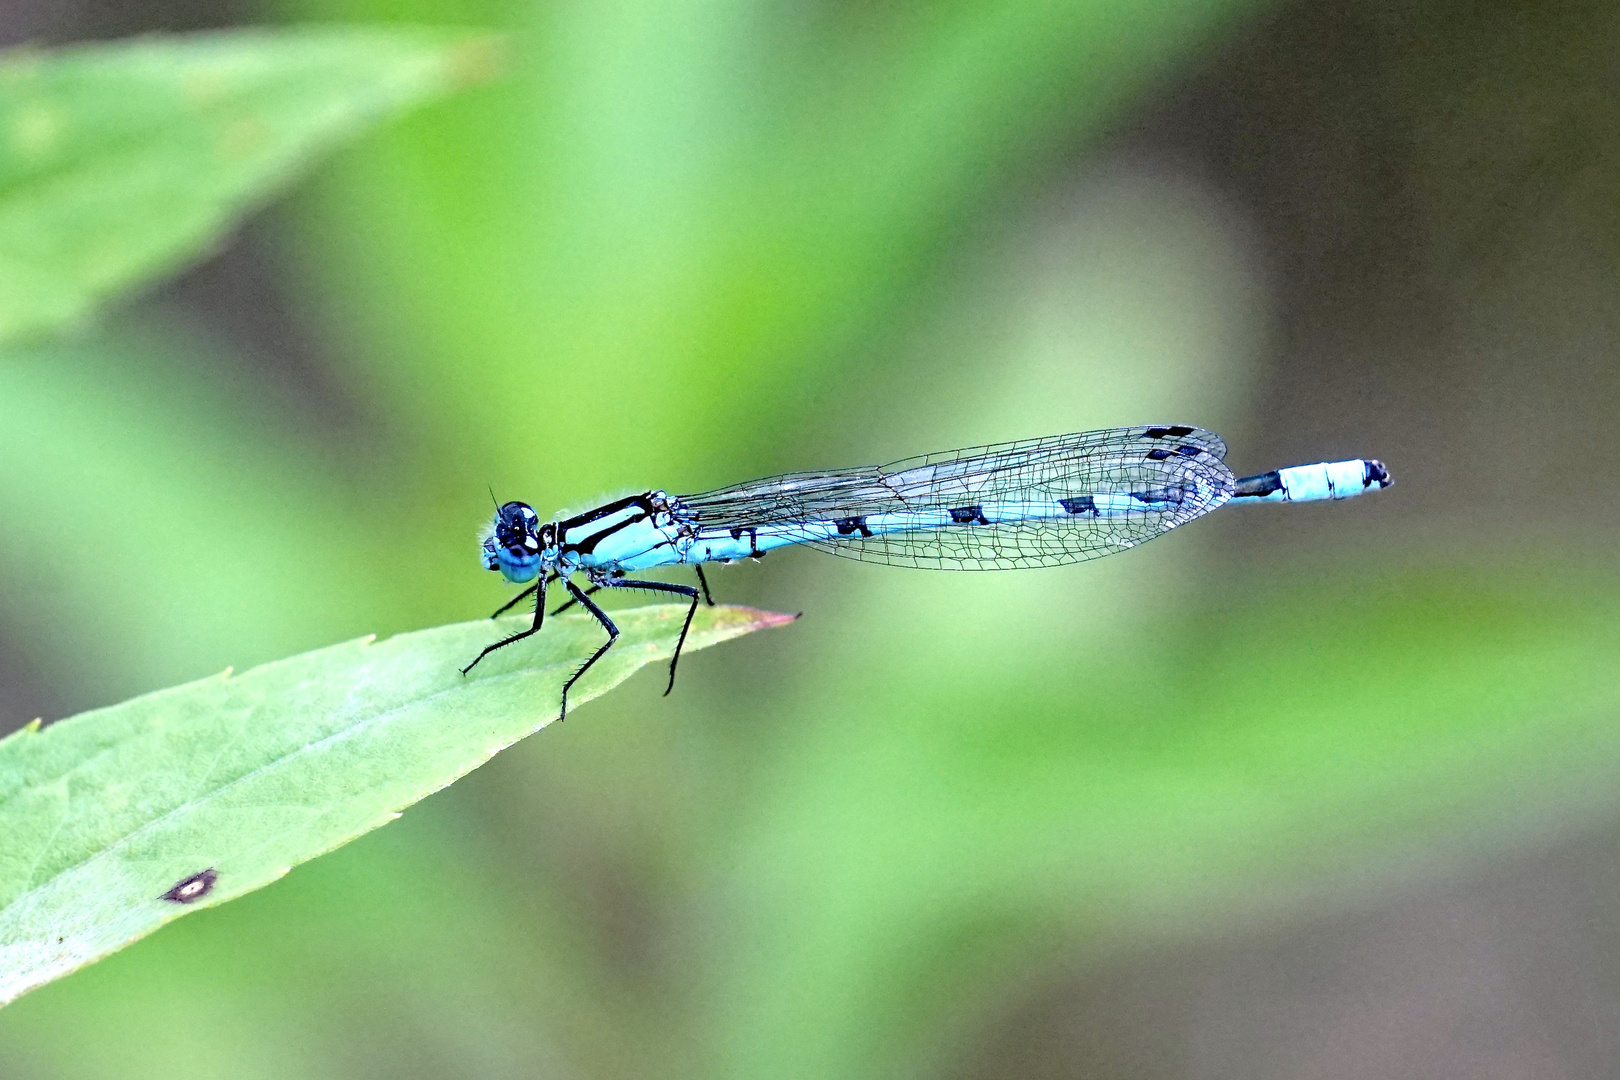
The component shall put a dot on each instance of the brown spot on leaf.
(190, 890)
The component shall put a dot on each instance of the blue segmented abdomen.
(644, 545)
(1315, 483)
(1042, 502)
(663, 545)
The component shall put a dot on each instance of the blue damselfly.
(1039, 502)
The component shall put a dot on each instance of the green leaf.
(103, 814)
(119, 162)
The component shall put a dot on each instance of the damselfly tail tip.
(1378, 474)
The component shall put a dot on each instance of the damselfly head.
(513, 545)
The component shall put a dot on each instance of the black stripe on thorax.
(644, 500)
(588, 544)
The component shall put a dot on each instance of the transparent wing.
(933, 480)
(1165, 474)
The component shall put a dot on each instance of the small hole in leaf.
(190, 890)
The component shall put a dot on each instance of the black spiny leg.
(566, 604)
(512, 603)
(539, 617)
(607, 624)
(664, 587)
(707, 599)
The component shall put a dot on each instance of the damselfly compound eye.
(193, 888)
(514, 521)
(513, 546)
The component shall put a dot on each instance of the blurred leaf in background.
(685, 246)
(124, 161)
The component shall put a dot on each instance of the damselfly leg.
(607, 624)
(512, 603)
(539, 589)
(566, 604)
(583, 596)
(664, 587)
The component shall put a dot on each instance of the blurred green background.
(1316, 791)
